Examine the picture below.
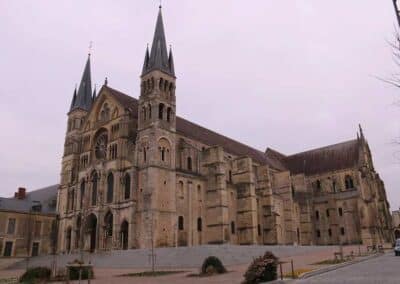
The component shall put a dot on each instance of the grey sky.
(287, 74)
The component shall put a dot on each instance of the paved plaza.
(384, 269)
(109, 265)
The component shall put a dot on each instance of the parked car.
(397, 248)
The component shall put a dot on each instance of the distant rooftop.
(41, 200)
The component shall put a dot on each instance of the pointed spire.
(361, 132)
(158, 58)
(146, 60)
(84, 96)
(73, 99)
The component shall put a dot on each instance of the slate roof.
(329, 158)
(199, 133)
(47, 197)
(333, 157)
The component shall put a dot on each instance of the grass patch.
(297, 273)
(330, 261)
(151, 273)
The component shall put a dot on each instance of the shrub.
(262, 269)
(36, 275)
(212, 265)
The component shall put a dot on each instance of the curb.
(334, 267)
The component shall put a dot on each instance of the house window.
(189, 163)
(342, 232)
(259, 229)
(180, 223)
(327, 212)
(233, 229)
(340, 211)
(348, 182)
(11, 226)
(317, 215)
(318, 233)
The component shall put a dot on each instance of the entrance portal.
(92, 231)
(124, 234)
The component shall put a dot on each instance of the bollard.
(291, 262)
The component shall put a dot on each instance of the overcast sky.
(287, 74)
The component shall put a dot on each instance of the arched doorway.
(91, 225)
(68, 240)
(108, 230)
(124, 234)
(397, 234)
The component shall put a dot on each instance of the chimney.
(21, 194)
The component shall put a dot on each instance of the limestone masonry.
(134, 174)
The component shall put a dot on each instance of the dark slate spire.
(73, 99)
(158, 58)
(84, 96)
(146, 60)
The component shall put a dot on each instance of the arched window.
(162, 154)
(340, 211)
(165, 85)
(94, 188)
(110, 188)
(144, 113)
(330, 232)
(149, 106)
(82, 193)
(348, 182)
(180, 223)
(327, 212)
(108, 222)
(127, 193)
(169, 114)
(318, 184)
(144, 154)
(233, 229)
(160, 111)
(342, 232)
(318, 233)
(180, 190)
(317, 215)
(161, 83)
(199, 224)
(259, 229)
(199, 195)
(189, 163)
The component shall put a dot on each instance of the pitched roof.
(46, 196)
(199, 133)
(329, 158)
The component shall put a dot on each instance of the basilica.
(136, 175)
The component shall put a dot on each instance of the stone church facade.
(135, 175)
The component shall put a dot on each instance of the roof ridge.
(322, 148)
